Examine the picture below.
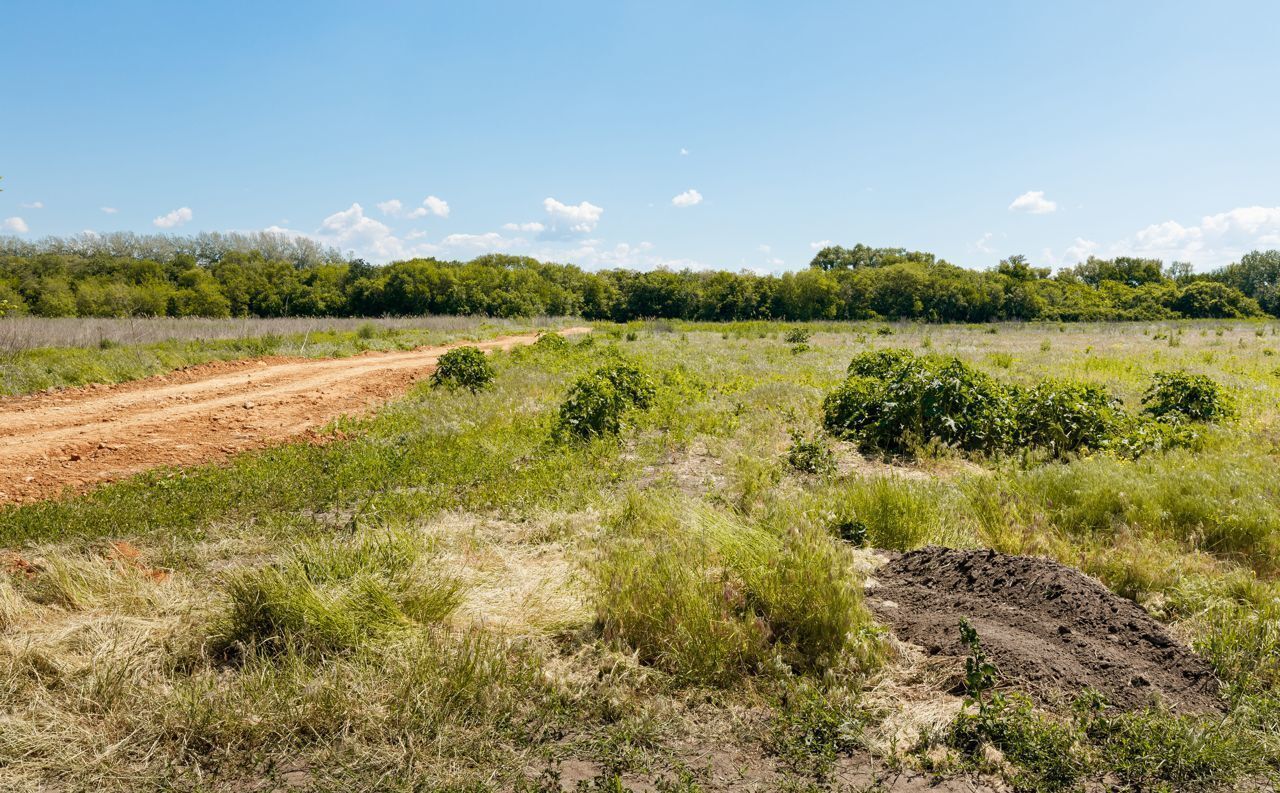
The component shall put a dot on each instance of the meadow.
(458, 594)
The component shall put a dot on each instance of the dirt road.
(85, 436)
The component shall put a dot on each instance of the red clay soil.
(81, 437)
(1050, 630)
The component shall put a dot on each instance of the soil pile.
(1050, 630)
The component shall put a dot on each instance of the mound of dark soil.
(1050, 630)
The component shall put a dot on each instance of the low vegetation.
(463, 367)
(467, 592)
(895, 402)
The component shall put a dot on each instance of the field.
(453, 593)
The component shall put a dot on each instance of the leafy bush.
(810, 455)
(917, 400)
(1065, 417)
(332, 597)
(1182, 395)
(550, 342)
(798, 335)
(463, 367)
(597, 402)
(880, 363)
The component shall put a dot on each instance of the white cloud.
(33, 205)
(581, 218)
(352, 229)
(1078, 251)
(15, 224)
(174, 219)
(819, 245)
(533, 227)
(1253, 220)
(1033, 202)
(109, 210)
(431, 205)
(1218, 239)
(688, 198)
(983, 245)
(490, 241)
(684, 152)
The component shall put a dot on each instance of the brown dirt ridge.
(1050, 630)
(81, 437)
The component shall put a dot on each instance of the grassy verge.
(28, 366)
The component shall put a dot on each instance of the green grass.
(447, 597)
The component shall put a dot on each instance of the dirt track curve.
(81, 437)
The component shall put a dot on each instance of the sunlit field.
(463, 593)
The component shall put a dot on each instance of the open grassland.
(38, 353)
(452, 595)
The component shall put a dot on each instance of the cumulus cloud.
(490, 241)
(580, 218)
(983, 244)
(15, 224)
(434, 206)
(352, 229)
(688, 198)
(33, 205)
(684, 152)
(173, 219)
(1217, 239)
(1033, 202)
(820, 244)
(431, 205)
(533, 227)
(109, 210)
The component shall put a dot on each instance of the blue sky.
(733, 135)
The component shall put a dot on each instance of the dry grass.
(25, 333)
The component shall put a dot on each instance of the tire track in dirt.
(82, 437)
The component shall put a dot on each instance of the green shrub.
(880, 363)
(811, 728)
(1192, 397)
(1139, 435)
(810, 455)
(598, 402)
(1065, 417)
(463, 367)
(798, 335)
(331, 597)
(917, 400)
(551, 342)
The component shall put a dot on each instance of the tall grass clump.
(709, 599)
(894, 512)
(332, 596)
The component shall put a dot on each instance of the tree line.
(268, 275)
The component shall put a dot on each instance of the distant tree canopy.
(268, 275)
